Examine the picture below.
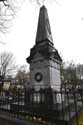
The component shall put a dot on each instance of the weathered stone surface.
(44, 59)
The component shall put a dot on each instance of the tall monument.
(44, 59)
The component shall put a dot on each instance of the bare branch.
(7, 64)
(41, 2)
(8, 10)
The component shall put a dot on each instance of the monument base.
(50, 104)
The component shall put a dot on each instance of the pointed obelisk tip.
(43, 29)
(42, 7)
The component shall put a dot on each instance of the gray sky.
(66, 25)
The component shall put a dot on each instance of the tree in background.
(7, 64)
(23, 76)
(8, 9)
(68, 73)
(7, 12)
(80, 71)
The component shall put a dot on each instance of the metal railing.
(45, 106)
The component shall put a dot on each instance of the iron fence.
(45, 106)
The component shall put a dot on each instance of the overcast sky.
(66, 25)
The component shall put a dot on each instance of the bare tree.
(68, 73)
(42, 2)
(23, 76)
(7, 12)
(7, 64)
